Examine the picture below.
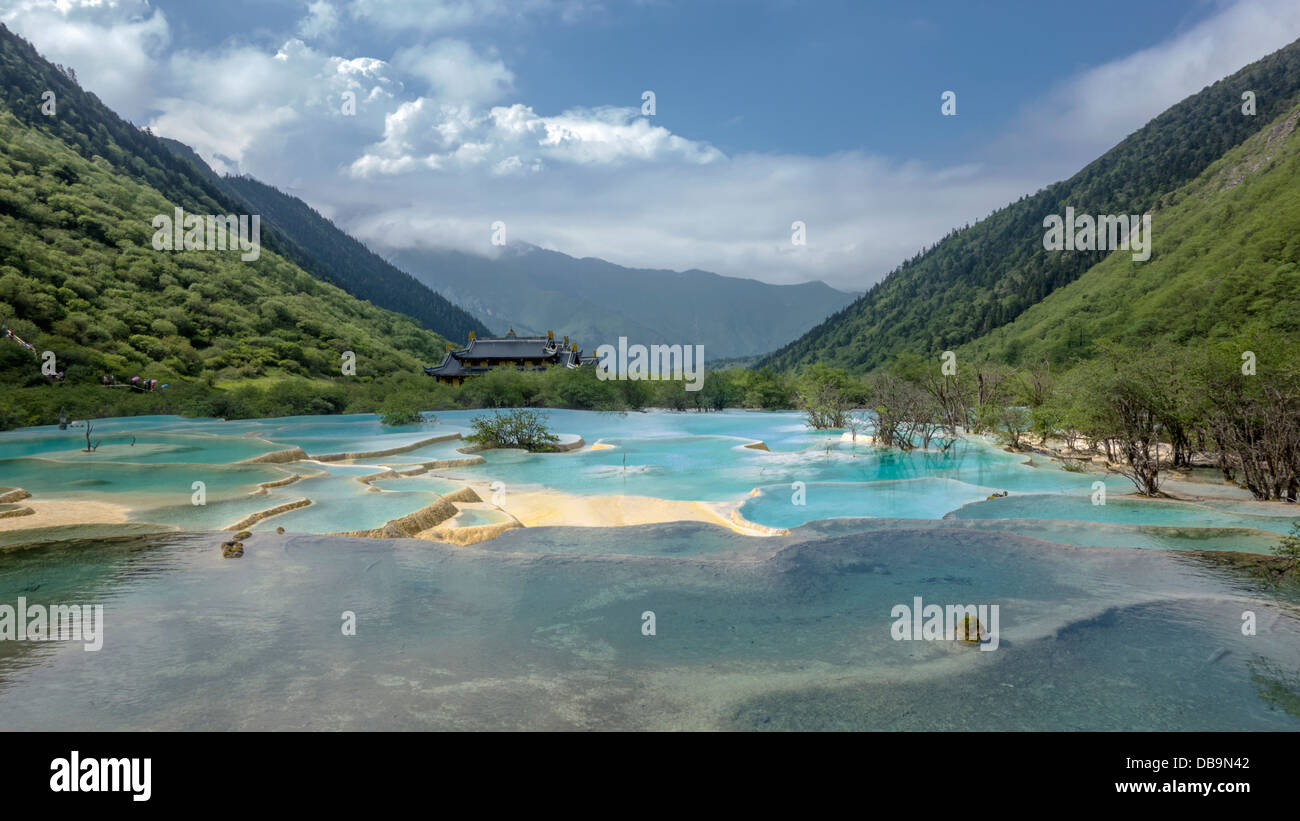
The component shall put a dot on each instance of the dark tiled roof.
(509, 349)
(527, 347)
(449, 366)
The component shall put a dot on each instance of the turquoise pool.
(150, 464)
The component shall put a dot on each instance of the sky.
(766, 112)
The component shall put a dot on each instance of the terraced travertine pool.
(542, 627)
(150, 465)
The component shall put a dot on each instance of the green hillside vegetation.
(319, 247)
(88, 127)
(1225, 263)
(984, 276)
(79, 276)
(290, 228)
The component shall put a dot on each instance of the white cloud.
(113, 45)
(246, 110)
(455, 72)
(438, 159)
(439, 136)
(447, 15)
(732, 215)
(1083, 117)
(322, 20)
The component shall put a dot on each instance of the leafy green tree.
(519, 428)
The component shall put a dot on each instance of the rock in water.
(232, 550)
(969, 631)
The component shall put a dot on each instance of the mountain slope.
(1225, 265)
(595, 302)
(290, 228)
(318, 246)
(982, 277)
(79, 277)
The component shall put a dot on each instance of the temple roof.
(509, 348)
(518, 347)
(449, 366)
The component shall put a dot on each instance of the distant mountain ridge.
(534, 290)
(984, 277)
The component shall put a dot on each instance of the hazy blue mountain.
(593, 301)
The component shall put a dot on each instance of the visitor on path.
(8, 333)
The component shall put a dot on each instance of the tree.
(519, 428)
(825, 395)
(1289, 546)
(1131, 397)
(400, 409)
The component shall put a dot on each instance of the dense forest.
(1226, 262)
(290, 228)
(986, 275)
(319, 247)
(79, 277)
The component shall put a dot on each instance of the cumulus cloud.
(322, 20)
(455, 72)
(438, 150)
(426, 135)
(247, 110)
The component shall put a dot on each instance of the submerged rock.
(969, 631)
(241, 535)
(232, 550)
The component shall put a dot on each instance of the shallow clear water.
(790, 633)
(804, 476)
(476, 517)
(1130, 511)
(541, 628)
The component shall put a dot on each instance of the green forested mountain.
(290, 228)
(91, 129)
(981, 278)
(79, 277)
(1225, 266)
(319, 247)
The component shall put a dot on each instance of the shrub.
(519, 428)
(399, 409)
(1290, 544)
